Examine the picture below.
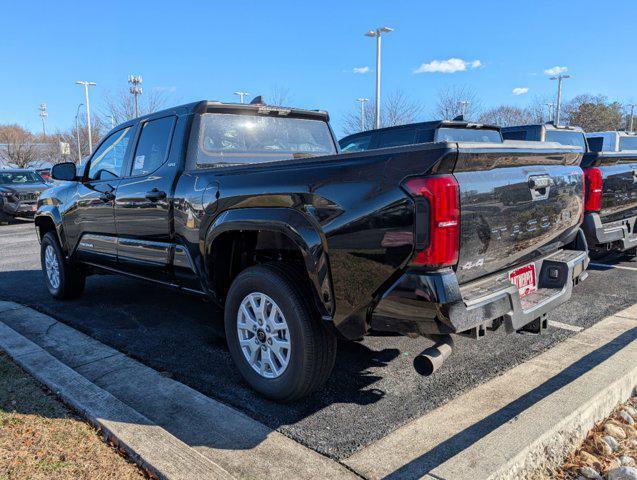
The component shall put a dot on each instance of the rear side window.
(628, 143)
(236, 139)
(394, 138)
(153, 145)
(566, 137)
(468, 135)
(595, 144)
(357, 144)
(515, 135)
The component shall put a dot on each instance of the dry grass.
(595, 453)
(42, 439)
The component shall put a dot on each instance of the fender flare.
(52, 213)
(303, 231)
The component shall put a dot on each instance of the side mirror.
(64, 171)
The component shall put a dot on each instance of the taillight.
(443, 195)
(593, 194)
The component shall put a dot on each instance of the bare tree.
(17, 145)
(397, 109)
(541, 107)
(456, 98)
(70, 136)
(120, 107)
(279, 96)
(506, 116)
(594, 113)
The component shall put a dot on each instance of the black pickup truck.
(253, 207)
(610, 166)
(19, 192)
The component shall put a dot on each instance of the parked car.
(612, 141)
(611, 181)
(250, 205)
(19, 191)
(45, 173)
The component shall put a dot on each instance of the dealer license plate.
(524, 279)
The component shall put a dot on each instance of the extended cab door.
(91, 224)
(143, 210)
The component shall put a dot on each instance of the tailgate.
(619, 186)
(518, 202)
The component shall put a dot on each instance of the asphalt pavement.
(374, 388)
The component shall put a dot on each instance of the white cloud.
(451, 65)
(360, 69)
(520, 90)
(556, 70)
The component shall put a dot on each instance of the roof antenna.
(258, 100)
(459, 118)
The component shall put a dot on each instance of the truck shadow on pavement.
(446, 450)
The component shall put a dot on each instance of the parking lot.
(374, 388)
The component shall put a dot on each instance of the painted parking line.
(565, 326)
(605, 265)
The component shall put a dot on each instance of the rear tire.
(275, 335)
(63, 279)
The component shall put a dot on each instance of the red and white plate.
(524, 279)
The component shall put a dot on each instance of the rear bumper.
(619, 235)
(434, 303)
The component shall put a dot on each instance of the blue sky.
(208, 50)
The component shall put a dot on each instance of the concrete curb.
(172, 430)
(528, 418)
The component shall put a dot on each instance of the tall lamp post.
(362, 102)
(136, 90)
(88, 112)
(558, 107)
(551, 110)
(241, 95)
(630, 122)
(77, 134)
(378, 33)
(43, 116)
(463, 108)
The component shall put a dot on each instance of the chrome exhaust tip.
(430, 359)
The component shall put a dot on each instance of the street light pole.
(551, 110)
(558, 107)
(88, 112)
(77, 134)
(43, 116)
(630, 123)
(378, 33)
(362, 102)
(463, 108)
(241, 95)
(136, 90)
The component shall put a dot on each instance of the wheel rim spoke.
(52, 266)
(263, 335)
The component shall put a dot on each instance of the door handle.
(107, 197)
(155, 195)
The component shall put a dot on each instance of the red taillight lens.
(443, 195)
(593, 194)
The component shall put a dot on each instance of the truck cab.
(548, 132)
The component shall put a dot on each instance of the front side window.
(446, 134)
(19, 178)
(152, 148)
(234, 139)
(108, 160)
(358, 144)
(628, 143)
(395, 138)
(566, 137)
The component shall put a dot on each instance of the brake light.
(443, 195)
(593, 194)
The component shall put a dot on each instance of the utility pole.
(43, 116)
(558, 107)
(241, 95)
(551, 110)
(88, 112)
(463, 107)
(77, 134)
(362, 102)
(135, 89)
(378, 33)
(630, 122)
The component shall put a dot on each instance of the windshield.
(467, 135)
(231, 139)
(19, 178)
(628, 143)
(566, 137)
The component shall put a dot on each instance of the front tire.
(63, 279)
(274, 334)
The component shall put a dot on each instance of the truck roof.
(209, 106)
(547, 126)
(619, 133)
